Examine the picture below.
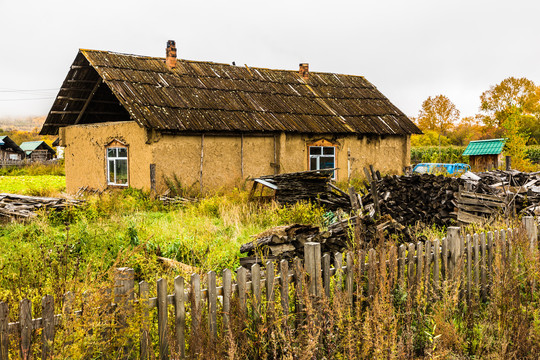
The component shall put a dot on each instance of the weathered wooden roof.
(210, 97)
(7, 144)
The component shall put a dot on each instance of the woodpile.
(313, 186)
(21, 206)
(416, 198)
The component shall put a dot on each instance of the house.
(485, 154)
(9, 150)
(136, 120)
(37, 150)
(59, 149)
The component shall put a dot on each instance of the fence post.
(180, 315)
(163, 331)
(47, 316)
(312, 251)
(123, 292)
(532, 232)
(4, 331)
(25, 321)
(145, 337)
(454, 245)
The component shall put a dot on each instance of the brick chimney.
(304, 70)
(170, 61)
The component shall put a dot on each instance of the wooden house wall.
(484, 162)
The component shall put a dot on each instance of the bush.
(432, 154)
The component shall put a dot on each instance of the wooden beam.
(90, 112)
(94, 90)
(82, 81)
(84, 99)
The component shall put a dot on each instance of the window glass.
(117, 166)
(121, 171)
(328, 150)
(322, 157)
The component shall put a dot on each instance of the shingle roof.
(485, 147)
(205, 96)
(7, 143)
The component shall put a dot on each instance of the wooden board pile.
(311, 186)
(416, 198)
(15, 206)
(497, 192)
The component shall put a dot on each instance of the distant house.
(37, 150)
(128, 120)
(59, 149)
(485, 154)
(9, 150)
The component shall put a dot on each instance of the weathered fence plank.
(284, 288)
(25, 321)
(256, 290)
(241, 278)
(436, 258)
(312, 255)
(483, 288)
(349, 284)
(401, 264)
(410, 266)
(145, 322)
(444, 259)
(392, 267)
(419, 266)
(326, 274)
(163, 329)
(47, 321)
(532, 232)
(298, 275)
(227, 294)
(180, 315)
(338, 277)
(476, 251)
(469, 266)
(4, 330)
(427, 265)
(212, 303)
(372, 273)
(454, 242)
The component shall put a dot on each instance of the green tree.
(516, 140)
(512, 97)
(438, 114)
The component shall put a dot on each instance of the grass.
(37, 185)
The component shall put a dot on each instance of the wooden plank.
(25, 321)
(476, 252)
(180, 315)
(326, 274)
(454, 242)
(312, 267)
(410, 266)
(427, 265)
(145, 322)
(227, 294)
(88, 100)
(4, 331)
(483, 266)
(374, 193)
(298, 276)
(47, 321)
(383, 272)
(241, 278)
(490, 241)
(284, 288)
(436, 262)
(349, 285)
(372, 273)
(392, 266)
(444, 259)
(419, 265)
(478, 196)
(469, 266)
(338, 277)
(401, 264)
(361, 273)
(212, 304)
(256, 290)
(163, 330)
(270, 286)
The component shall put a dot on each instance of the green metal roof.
(485, 147)
(29, 146)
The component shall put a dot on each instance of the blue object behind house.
(440, 168)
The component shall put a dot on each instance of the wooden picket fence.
(413, 266)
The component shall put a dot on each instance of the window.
(322, 157)
(117, 166)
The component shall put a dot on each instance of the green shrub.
(431, 154)
(533, 153)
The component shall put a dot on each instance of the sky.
(409, 50)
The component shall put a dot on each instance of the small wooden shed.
(9, 150)
(485, 154)
(37, 150)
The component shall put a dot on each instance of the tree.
(512, 97)
(437, 114)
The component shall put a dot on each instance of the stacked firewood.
(312, 186)
(22, 206)
(416, 198)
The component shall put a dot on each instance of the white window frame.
(115, 159)
(318, 157)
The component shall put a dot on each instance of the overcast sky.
(408, 49)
